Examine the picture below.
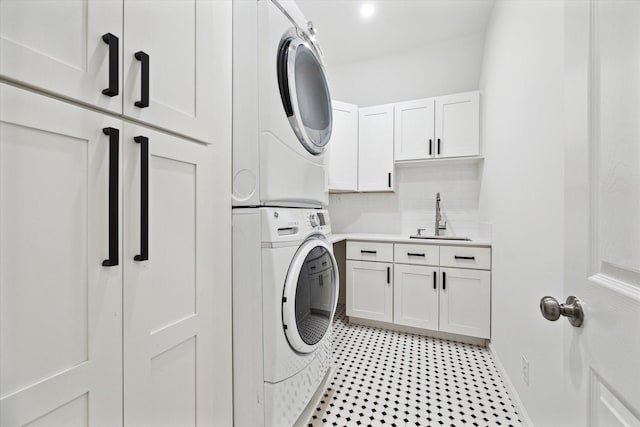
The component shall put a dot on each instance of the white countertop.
(399, 238)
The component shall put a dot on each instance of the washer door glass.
(310, 295)
(305, 93)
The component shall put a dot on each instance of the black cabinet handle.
(114, 57)
(444, 280)
(114, 166)
(144, 198)
(368, 252)
(430, 146)
(388, 274)
(389, 179)
(435, 279)
(464, 257)
(412, 254)
(438, 146)
(144, 59)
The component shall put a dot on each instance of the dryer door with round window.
(310, 295)
(304, 92)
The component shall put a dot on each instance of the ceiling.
(396, 25)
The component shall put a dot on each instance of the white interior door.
(177, 343)
(188, 47)
(602, 217)
(60, 308)
(58, 47)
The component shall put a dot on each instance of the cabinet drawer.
(370, 251)
(465, 257)
(416, 254)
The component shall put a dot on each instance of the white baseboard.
(513, 394)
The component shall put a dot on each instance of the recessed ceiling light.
(367, 10)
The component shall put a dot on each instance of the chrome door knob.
(551, 309)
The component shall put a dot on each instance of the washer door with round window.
(310, 295)
(305, 92)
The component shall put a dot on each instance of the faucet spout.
(439, 226)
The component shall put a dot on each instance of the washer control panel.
(283, 224)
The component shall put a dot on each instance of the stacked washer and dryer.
(285, 277)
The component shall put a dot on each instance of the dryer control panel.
(293, 224)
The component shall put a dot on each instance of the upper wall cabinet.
(163, 72)
(70, 48)
(171, 50)
(442, 127)
(414, 129)
(458, 125)
(343, 149)
(375, 151)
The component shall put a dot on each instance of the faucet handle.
(420, 230)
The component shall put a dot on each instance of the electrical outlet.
(525, 370)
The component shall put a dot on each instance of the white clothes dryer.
(282, 117)
(285, 291)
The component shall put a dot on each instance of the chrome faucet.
(439, 226)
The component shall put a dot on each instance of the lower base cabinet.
(370, 290)
(465, 302)
(415, 296)
(437, 298)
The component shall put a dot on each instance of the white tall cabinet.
(114, 246)
(58, 46)
(60, 309)
(343, 149)
(375, 151)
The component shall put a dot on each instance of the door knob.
(551, 309)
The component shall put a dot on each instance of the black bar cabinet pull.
(388, 274)
(444, 280)
(114, 56)
(464, 257)
(114, 141)
(368, 252)
(389, 179)
(412, 254)
(144, 59)
(430, 146)
(144, 198)
(435, 279)
(438, 146)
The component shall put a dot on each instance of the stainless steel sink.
(466, 239)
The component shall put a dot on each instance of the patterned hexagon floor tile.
(387, 378)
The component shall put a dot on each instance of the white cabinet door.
(188, 46)
(414, 129)
(415, 296)
(465, 302)
(375, 148)
(60, 308)
(343, 148)
(57, 46)
(176, 303)
(370, 290)
(458, 125)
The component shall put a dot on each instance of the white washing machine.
(282, 117)
(285, 291)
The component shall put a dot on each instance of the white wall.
(522, 193)
(413, 203)
(437, 69)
